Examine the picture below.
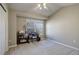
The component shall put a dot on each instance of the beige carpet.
(44, 47)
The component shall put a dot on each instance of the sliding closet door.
(2, 31)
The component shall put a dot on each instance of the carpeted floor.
(44, 47)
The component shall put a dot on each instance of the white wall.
(32, 15)
(12, 28)
(64, 26)
(21, 21)
(3, 29)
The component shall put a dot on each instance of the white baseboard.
(66, 45)
(13, 46)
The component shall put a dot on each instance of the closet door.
(2, 31)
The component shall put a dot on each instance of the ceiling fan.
(42, 6)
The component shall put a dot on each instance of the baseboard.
(66, 45)
(13, 46)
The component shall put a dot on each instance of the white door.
(2, 31)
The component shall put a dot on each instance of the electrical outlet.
(74, 41)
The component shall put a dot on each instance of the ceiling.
(31, 8)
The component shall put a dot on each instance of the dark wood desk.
(22, 39)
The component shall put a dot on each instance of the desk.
(21, 38)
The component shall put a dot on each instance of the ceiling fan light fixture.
(44, 5)
(39, 5)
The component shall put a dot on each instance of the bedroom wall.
(64, 26)
(21, 21)
(12, 28)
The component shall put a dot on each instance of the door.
(2, 31)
